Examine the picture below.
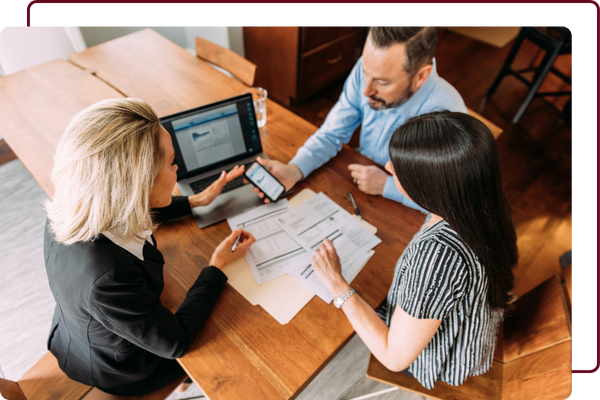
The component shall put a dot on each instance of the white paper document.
(350, 269)
(320, 218)
(274, 253)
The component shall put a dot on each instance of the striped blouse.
(439, 277)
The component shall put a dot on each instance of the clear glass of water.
(259, 97)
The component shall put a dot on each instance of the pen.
(354, 205)
(237, 241)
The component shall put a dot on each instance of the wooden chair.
(532, 358)
(46, 381)
(495, 129)
(232, 62)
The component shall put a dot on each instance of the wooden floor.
(6, 153)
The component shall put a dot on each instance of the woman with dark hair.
(452, 284)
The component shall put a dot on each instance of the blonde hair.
(105, 166)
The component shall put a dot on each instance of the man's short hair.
(420, 42)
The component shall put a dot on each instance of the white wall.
(22, 47)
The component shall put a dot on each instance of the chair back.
(46, 381)
(230, 61)
(495, 129)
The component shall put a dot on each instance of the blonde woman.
(113, 175)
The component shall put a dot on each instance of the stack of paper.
(275, 252)
(320, 218)
(277, 267)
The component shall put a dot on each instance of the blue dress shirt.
(353, 109)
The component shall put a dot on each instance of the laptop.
(208, 140)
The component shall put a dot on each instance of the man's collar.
(135, 246)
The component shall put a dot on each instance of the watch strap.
(339, 301)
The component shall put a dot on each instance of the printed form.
(321, 218)
(275, 252)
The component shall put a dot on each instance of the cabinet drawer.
(320, 67)
(313, 37)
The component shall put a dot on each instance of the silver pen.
(354, 205)
(237, 241)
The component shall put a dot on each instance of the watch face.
(339, 301)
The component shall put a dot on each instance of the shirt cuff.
(304, 164)
(214, 272)
(390, 191)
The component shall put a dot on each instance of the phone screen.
(264, 181)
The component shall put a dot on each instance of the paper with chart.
(320, 218)
(274, 253)
(307, 277)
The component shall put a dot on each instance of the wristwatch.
(338, 301)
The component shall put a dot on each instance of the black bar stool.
(555, 41)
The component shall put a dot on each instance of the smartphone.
(264, 181)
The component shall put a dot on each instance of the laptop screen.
(212, 136)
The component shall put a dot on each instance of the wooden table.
(242, 352)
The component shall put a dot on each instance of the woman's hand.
(223, 254)
(326, 265)
(207, 196)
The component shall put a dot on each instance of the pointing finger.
(329, 246)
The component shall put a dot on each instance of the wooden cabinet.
(295, 62)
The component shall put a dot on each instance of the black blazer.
(109, 326)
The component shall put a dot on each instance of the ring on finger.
(355, 181)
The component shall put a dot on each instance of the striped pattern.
(439, 277)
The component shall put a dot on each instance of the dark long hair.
(448, 163)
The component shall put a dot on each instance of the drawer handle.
(336, 60)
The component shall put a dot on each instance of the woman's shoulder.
(97, 256)
(442, 236)
(440, 247)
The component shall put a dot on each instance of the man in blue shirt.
(394, 80)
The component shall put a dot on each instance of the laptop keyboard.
(202, 184)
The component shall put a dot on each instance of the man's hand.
(207, 196)
(368, 178)
(287, 174)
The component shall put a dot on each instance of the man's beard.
(382, 105)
